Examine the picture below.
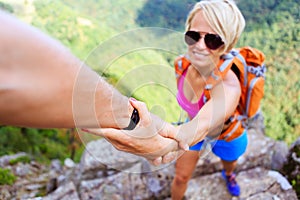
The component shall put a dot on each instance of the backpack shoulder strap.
(181, 63)
(218, 73)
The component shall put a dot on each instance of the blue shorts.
(228, 151)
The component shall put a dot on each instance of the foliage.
(167, 14)
(262, 14)
(23, 159)
(66, 25)
(111, 16)
(6, 177)
(258, 14)
(6, 7)
(43, 144)
(291, 168)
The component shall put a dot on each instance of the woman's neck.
(205, 72)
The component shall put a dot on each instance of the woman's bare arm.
(210, 119)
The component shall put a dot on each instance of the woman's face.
(202, 57)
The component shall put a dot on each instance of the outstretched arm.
(43, 85)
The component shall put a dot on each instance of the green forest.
(122, 38)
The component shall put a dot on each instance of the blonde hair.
(224, 18)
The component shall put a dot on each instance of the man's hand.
(155, 148)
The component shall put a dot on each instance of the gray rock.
(279, 157)
(106, 173)
(22, 169)
(5, 192)
(65, 192)
(285, 185)
(56, 165)
(69, 163)
(4, 160)
(100, 155)
(51, 185)
(255, 184)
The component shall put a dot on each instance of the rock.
(142, 181)
(291, 168)
(256, 183)
(22, 169)
(4, 160)
(285, 185)
(69, 163)
(279, 156)
(56, 166)
(5, 192)
(51, 185)
(257, 123)
(64, 192)
(106, 173)
(100, 155)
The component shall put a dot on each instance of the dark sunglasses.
(212, 41)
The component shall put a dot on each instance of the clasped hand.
(152, 138)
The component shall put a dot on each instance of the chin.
(199, 63)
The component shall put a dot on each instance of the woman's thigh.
(186, 163)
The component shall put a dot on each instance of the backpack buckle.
(244, 120)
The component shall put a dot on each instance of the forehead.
(199, 23)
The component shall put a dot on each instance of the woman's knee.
(182, 178)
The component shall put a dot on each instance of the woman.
(213, 28)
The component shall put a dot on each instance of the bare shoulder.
(230, 86)
(231, 80)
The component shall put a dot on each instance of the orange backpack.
(248, 64)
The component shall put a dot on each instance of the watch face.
(135, 116)
(134, 120)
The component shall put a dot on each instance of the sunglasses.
(212, 41)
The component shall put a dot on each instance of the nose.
(201, 43)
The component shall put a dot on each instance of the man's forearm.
(42, 85)
(98, 104)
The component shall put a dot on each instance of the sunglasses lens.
(191, 37)
(213, 41)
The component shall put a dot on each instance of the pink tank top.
(191, 108)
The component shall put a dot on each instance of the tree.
(165, 13)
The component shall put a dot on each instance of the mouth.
(199, 54)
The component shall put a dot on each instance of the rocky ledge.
(105, 173)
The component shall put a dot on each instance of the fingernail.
(85, 130)
(157, 161)
(132, 99)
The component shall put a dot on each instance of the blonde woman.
(213, 28)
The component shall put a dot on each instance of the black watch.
(134, 120)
